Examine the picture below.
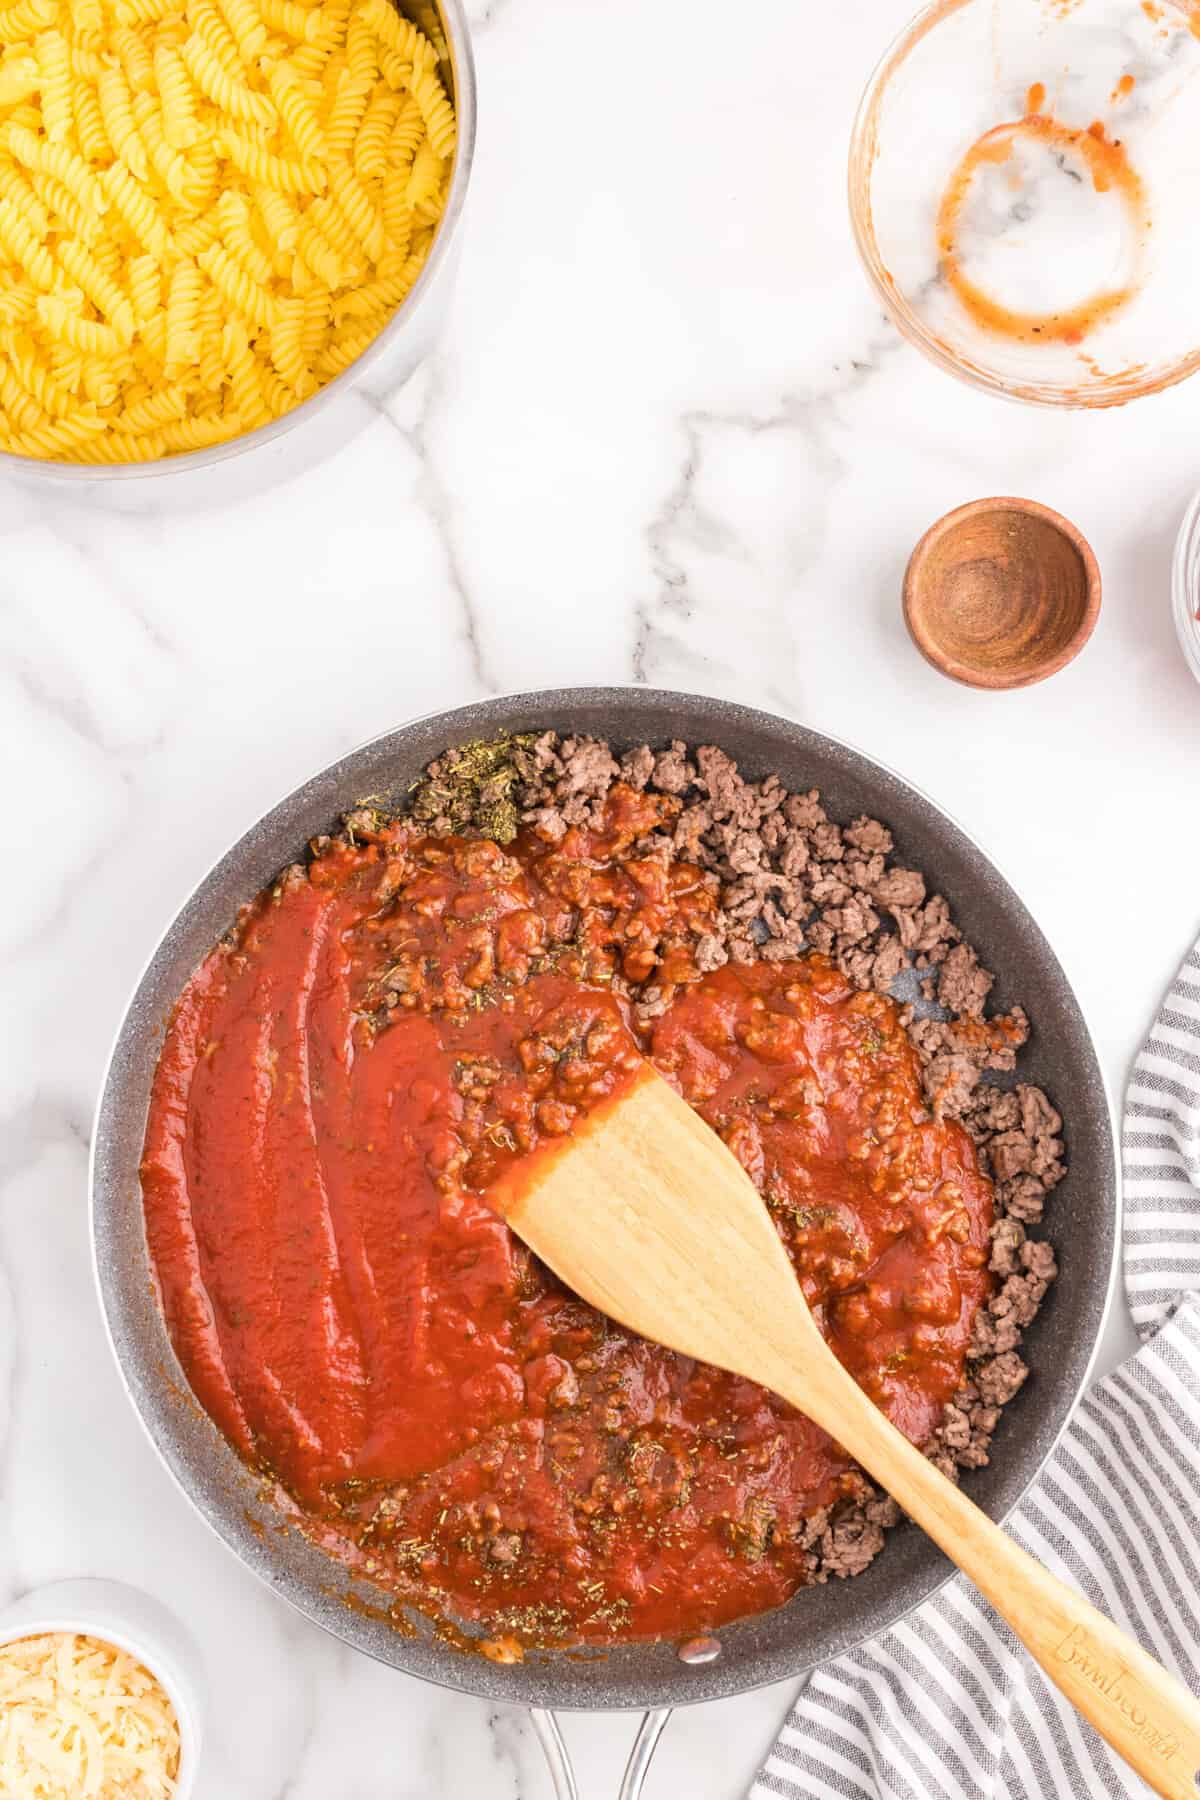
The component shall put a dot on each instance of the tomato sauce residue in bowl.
(389, 1030)
(1084, 154)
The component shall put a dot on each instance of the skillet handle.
(549, 1731)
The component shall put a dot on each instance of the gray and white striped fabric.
(947, 1705)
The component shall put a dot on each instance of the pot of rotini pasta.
(216, 216)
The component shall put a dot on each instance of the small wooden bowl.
(1001, 593)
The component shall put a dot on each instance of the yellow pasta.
(208, 209)
(145, 287)
(299, 22)
(17, 303)
(228, 94)
(208, 24)
(183, 308)
(64, 210)
(287, 346)
(237, 234)
(54, 73)
(358, 210)
(180, 126)
(425, 176)
(316, 254)
(245, 379)
(114, 306)
(85, 62)
(138, 211)
(136, 60)
(89, 126)
(61, 321)
(142, 12)
(35, 378)
(262, 166)
(194, 235)
(116, 110)
(149, 412)
(58, 160)
(399, 33)
(244, 295)
(87, 21)
(362, 50)
(16, 185)
(21, 244)
(375, 134)
(19, 80)
(298, 114)
(21, 23)
(170, 166)
(346, 114)
(246, 24)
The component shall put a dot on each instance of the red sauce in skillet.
(387, 1031)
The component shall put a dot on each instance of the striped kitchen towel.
(947, 1705)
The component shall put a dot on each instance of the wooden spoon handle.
(1147, 1715)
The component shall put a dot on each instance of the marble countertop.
(667, 438)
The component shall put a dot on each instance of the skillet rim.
(158, 1390)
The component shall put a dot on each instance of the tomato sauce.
(389, 1030)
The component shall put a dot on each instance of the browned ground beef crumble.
(792, 880)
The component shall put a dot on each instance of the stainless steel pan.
(819, 1622)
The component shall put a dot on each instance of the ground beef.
(673, 773)
(999, 1380)
(899, 887)
(849, 1545)
(791, 880)
(963, 986)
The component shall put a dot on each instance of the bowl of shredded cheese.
(218, 215)
(100, 1697)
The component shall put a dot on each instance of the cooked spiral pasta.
(145, 287)
(135, 59)
(436, 110)
(138, 212)
(425, 176)
(250, 34)
(180, 126)
(87, 21)
(61, 321)
(64, 210)
(237, 234)
(298, 114)
(16, 185)
(89, 126)
(208, 209)
(21, 244)
(19, 80)
(183, 306)
(375, 134)
(54, 71)
(346, 114)
(116, 110)
(262, 166)
(22, 22)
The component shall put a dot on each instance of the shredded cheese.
(81, 1720)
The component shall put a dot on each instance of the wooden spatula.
(646, 1214)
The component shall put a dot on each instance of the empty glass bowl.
(1025, 185)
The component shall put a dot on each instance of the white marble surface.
(669, 439)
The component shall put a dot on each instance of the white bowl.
(1185, 587)
(133, 1622)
